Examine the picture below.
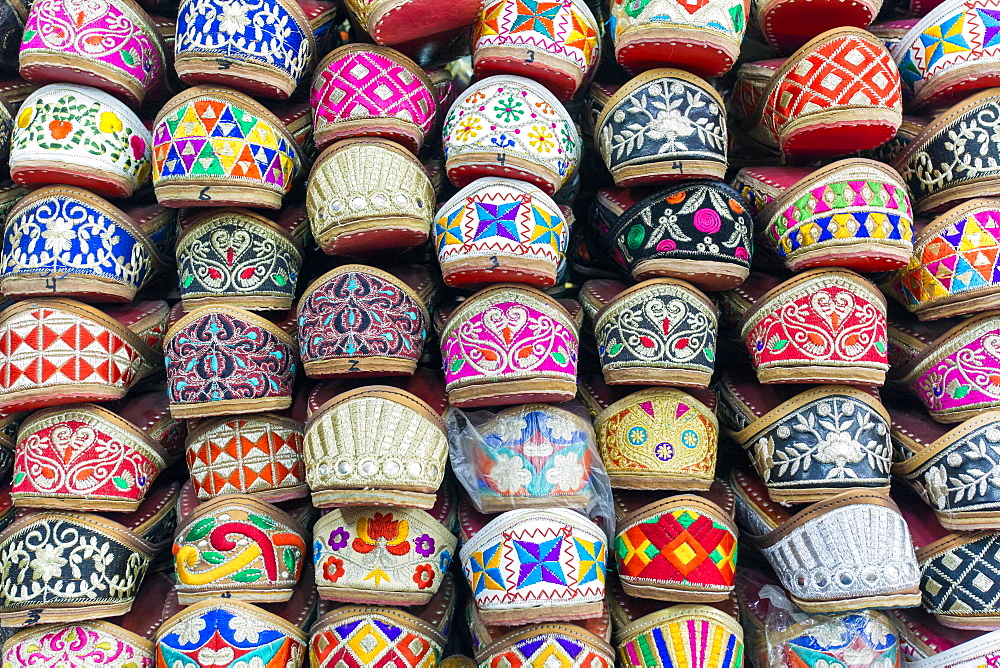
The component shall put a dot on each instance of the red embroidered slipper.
(788, 24)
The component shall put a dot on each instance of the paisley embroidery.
(96, 643)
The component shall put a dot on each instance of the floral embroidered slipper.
(838, 94)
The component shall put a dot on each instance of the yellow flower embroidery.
(468, 128)
(110, 122)
(25, 117)
(541, 139)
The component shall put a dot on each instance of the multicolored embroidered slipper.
(558, 47)
(872, 566)
(231, 632)
(940, 175)
(263, 51)
(953, 571)
(79, 136)
(240, 258)
(497, 230)
(384, 556)
(650, 634)
(702, 38)
(260, 455)
(224, 359)
(414, 23)
(510, 127)
(808, 445)
(926, 643)
(216, 147)
(831, 639)
(482, 634)
(786, 25)
(509, 344)
(76, 644)
(935, 76)
(838, 94)
(692, 539)
(369, 635)
(84, 457)
(761, 185)
(556, 643)
(640, 435)
(358, 320)
(114, 47)
(41, 548)
(821, 326)
(368, 195)
(264, 565)
(125, 261)
(699, 232)
(58, 351)
(955, 372)
(659, 332)
(490, 562)
(375, 445)
(952, 270)
(638, 130)
(853, 213)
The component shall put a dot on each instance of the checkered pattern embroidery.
(373, 639)
(964, 580)
(366, 84)
(46, 347)
(847, 71)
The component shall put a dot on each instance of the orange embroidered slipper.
(838, 94)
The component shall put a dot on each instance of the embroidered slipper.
(226, 630)
(702, 37)
(375, 445)
(943, 466)
(124, 262)
(84, 457)
(908, 337)
(367, 195)
(12, 31)
(509, 344)
(940, 175)
(8, 440)
(699, 232)
(365, 635)
(79, 136)
(649, 634)
(510, 127)
(556, 643)
(954, 569)
(420, 24)
(682, 548)
(953, 270)
(926, 643)
(659, 332)
(38, 548)
(384, 556)
(216, 147)
(239, 258)
(821, 326)
(363, 90)
(640, 435)
(58, 351)
(260, 455)
(496, 548)
(955, 375)
(761, 185)
(116, 48)
(838, 94)
(223, 360)
(808, 445)
(497, 230)
(786, 25)
(935, 75)
(558, 47)
(661, 126)
(482, 634)
(263, 51)
(853, 213)
(873, 565)
(358, 320)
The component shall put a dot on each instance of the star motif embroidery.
(581, 36)
(592, 561)
(539, 562)
(447, 230)
(490, 25)
(536, 15)
(991, 22)
(943, 39)
(486, 570)
(548, 228)
(497, 220)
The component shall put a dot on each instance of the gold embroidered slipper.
(808, 444)
(838, 94)
(945, 465)
(682, 548)
(872, 564)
